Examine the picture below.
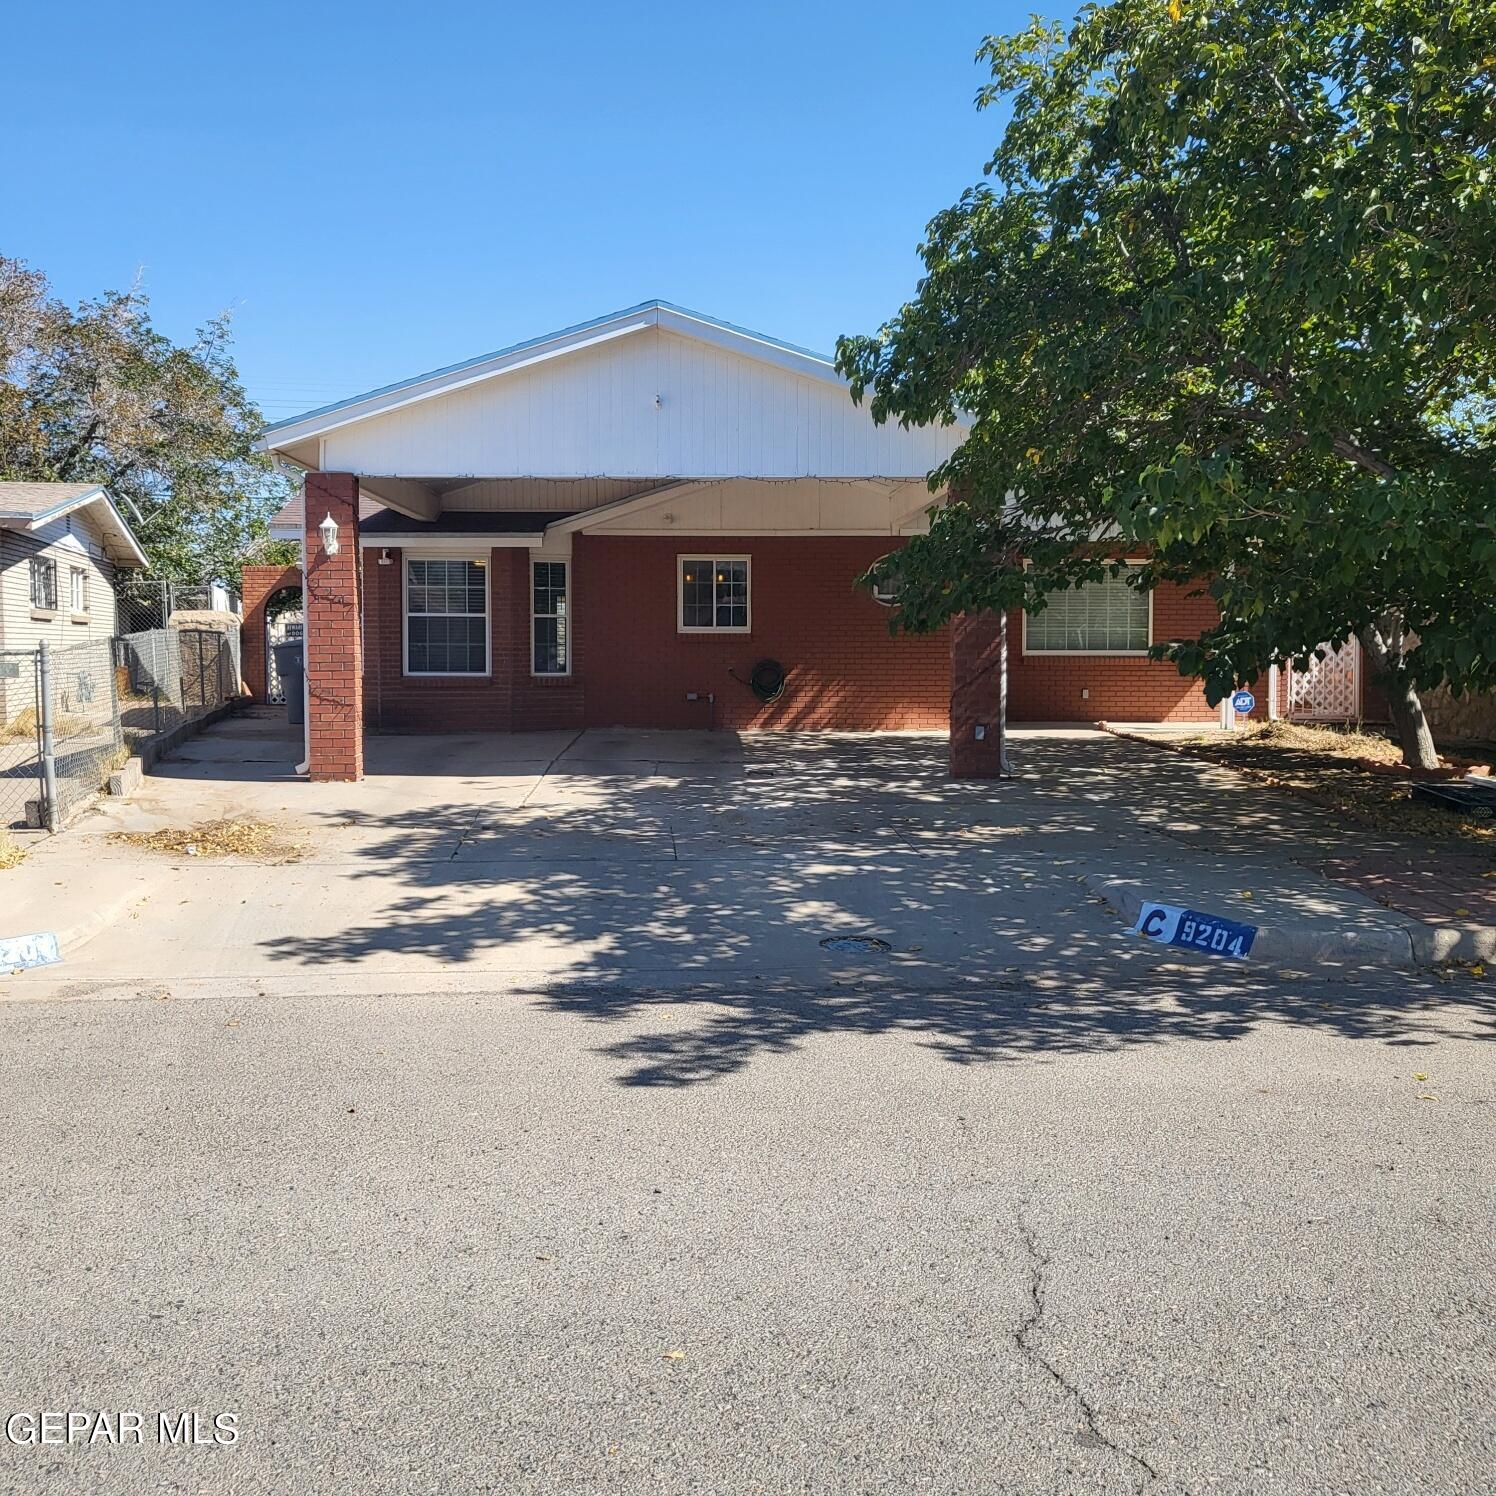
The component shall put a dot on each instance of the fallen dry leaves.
(1338, 767)
(248, 837)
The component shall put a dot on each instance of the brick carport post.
(978, 687)
(334, 641)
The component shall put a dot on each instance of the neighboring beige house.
(60, 547)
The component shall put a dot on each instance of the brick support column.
(334, 642)
(976, 683)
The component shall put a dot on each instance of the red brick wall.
(509, 699)
(844, 669)
(256, 587)
(632, 667)
(1047, 688)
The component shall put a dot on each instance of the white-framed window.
(43, 584)
(446, 615)
(712, 594)
(78, 588)
(1108, 617)
(550, 632)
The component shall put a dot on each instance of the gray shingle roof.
(30, 506)
(31, 500)
(288, 516)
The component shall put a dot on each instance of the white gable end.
(648, 404)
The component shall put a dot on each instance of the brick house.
(618, 523)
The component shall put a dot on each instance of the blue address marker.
(1170, 925)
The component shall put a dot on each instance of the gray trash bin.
(288, 665)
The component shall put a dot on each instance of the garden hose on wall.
(766, 680)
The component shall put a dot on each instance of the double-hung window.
(43, 584)
(78, 585)
(446, 616)
(713, 594)
(550, 637)
(1108, 617)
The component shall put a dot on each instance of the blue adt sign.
(1171, 925)
(1242, 703)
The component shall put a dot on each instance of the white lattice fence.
(1327, 690)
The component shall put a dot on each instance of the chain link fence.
(170, 676)
(69, 717)
(143, 603)
(20, 735)
(87, 741)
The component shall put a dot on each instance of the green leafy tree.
(97, 395)
(1228, 299)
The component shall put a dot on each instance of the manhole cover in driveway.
(855, 943)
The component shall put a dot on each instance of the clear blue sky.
(376, 190)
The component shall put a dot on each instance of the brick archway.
(259, 584)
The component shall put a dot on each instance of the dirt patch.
(10, 854)
(1354, 773)
(23, 727)
(244, 837)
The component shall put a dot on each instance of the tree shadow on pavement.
(684, 1038)
(685, 906)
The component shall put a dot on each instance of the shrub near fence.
(102, 700)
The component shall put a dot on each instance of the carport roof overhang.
(458, 531)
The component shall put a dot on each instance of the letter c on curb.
(1155, 922)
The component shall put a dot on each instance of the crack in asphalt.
(1038, 1262)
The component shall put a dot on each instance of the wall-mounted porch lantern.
(328, 530)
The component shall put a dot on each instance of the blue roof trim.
(550, 337)
(744, 332)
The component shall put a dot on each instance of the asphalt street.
(1163, 1230)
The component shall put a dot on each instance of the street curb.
(1319, 943)
(1435, 944)
(72, 937)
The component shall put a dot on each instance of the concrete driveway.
(672, 857)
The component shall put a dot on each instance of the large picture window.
(446, 617)
(713, 594)
(550, 642)
(1105, 617)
